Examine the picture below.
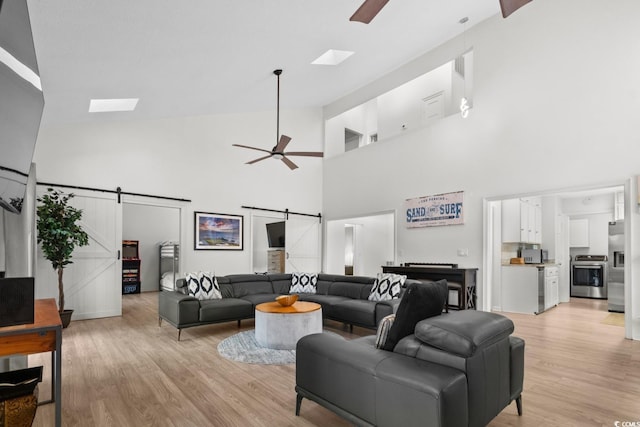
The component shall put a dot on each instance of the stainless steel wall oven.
(589, 276)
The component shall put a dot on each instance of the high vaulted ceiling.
(195, 57)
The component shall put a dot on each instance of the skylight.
(20, 69)
(110, 105)
(332, 57)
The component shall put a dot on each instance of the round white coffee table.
(280, 328)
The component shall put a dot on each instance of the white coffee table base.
(281, 331)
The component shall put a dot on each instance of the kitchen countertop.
(548, 264)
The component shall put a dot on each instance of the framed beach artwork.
(215, 231)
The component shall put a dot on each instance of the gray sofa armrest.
(178, 309)
(368, 386)
(332, 369)
(517, 366)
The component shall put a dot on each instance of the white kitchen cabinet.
(537, 222)
(579, 233)
(522, 220)
(550, 287)
(618, 213)
(511, 219)
(529, 289)
(520, 289)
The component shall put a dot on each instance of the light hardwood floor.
(127, 371)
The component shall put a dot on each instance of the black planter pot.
(65, 317)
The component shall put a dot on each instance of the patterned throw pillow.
(203, 285)
(383, 330)
(303, 283)
(387, 287)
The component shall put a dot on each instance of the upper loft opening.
(414, 105)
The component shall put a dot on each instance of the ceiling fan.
(510, 6)
(282, 141)
(370, 8)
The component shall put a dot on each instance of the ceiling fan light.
(277, 156)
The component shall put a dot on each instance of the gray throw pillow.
(383, 330)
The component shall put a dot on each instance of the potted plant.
(59, 234)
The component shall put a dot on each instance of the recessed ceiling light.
(108, 105)
(332, 57)
(19, 68)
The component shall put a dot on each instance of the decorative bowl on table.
(287, 300)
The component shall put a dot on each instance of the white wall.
(547, 115)
(150, 225)
(404, 106)
(591, 204)
(192, 158)
(374, 244)
(362, 119)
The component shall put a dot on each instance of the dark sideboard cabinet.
(462, 281)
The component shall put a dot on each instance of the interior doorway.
(151, 224)
(599, 205)
(285, 243)
(349, 248)
(352, 139)
(360, 245)
(261, 247)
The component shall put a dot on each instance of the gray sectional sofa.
(343, 298)
(458, 369)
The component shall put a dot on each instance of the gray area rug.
(243, 347)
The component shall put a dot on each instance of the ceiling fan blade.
(282, 144)
(510, 6)
(305, 153)
(251, 148)
(368, 10)
(289, 163)
(257, 160)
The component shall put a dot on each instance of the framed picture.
(215, 231)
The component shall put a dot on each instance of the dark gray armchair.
(457, 369)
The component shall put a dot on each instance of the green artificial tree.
(59, 233)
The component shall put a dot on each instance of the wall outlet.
(463, 251)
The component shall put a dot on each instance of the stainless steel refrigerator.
(616, 267)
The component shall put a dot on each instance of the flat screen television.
(276, 234)
(16, 301)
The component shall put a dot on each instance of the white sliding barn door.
(303, 244)
(93, 283)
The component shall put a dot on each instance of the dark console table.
(461, 280)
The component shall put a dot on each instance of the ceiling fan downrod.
(277, 73)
